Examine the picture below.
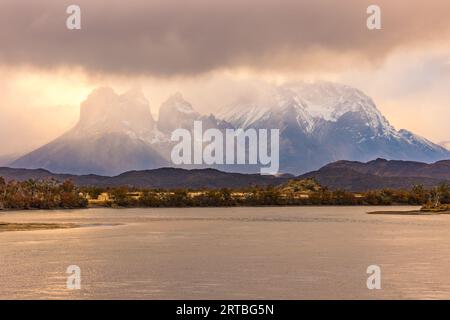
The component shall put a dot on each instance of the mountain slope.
(395, 168)
(105, 154)
(445, 144)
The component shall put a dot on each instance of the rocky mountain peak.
(175, 113)
(106, 111)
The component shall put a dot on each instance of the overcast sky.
(211, 50)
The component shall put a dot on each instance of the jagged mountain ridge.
(319, 123)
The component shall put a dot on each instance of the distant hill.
(167, 178)
(348, 175)
(380, 173)
(196, 178)
(300, 185)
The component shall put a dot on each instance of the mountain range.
(319, 123)
(167, 178)
(347, 175)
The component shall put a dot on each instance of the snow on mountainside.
(325, 122)
(312, 102)
(319, 123)
(176, 113)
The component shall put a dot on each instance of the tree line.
(52, 194)
(40, 194)
(268, 196)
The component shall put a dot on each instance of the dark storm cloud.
(194, 36)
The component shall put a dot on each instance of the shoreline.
(187, 207)
(5, 226)
(410, 213)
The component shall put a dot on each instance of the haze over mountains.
(319, 123)
(115, 133)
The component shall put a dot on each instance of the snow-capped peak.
(313, 102)
(177, 103)
(175, 113)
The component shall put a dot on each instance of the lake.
(227, 253)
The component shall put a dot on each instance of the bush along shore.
(295, 192)
(51, 194)
(40, 194)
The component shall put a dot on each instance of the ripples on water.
(227, 253)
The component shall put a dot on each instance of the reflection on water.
(227, 253)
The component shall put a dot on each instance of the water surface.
(227, 253)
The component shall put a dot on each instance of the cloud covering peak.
(167, 38)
